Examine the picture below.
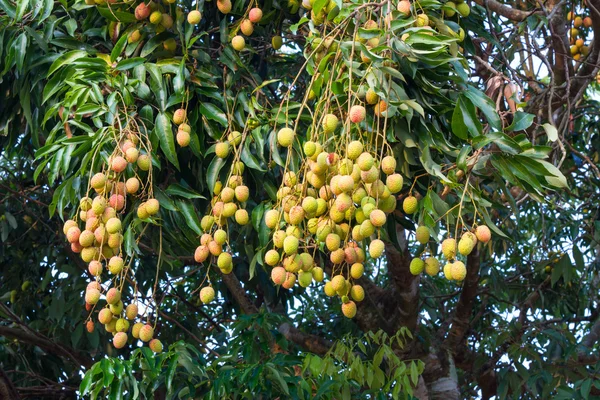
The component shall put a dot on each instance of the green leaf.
(118, 49)
(20, 10)
(113, 15)
(486, 105)
(176, 189)
(212, 173)
(214, 113)
(521, 122)
(66, 59)
(130, 63)
(464, 119)
(551, 131)
(461, 160)
(191, 216)
(164, 131)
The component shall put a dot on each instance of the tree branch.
(239, 293)
(506, 11)
(464, 307)
(313, 343)
(46, 344)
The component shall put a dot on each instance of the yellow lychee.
(449, 248)
(417, 266)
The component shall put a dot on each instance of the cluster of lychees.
(100, 240)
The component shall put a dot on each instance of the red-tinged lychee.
(183, 138)
(117, 201)
(278, 275)
(215, 248)
(131, 311)
(92, 296)
(105, 316)
(179, 116)
(394, 182)
(201, 254)
(404, 7)
(132, 185)
(120, 340)
(290, 280)
(247, 27)
(255, 15)
(241, 217)
(132, 155)
(357, 114)
(118, 164)
(135, 330)
(73, 234)
(142, 11)
(349, 309)
(483, 234)
(156, 346)
(242, 193)
(95, 268)
(224, 6)
(377, 218)
(113, 296)
(410, 205)
(365, 161)
(146, 333)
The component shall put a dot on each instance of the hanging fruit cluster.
(96, 233)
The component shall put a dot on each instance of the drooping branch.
(313, 343)
(239, 294)
(506, 11)
(464, 307)
(7, 389)
(46, 344)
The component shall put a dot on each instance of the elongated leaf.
(212, 174)
(212, 112)
(129, 63)
(164, 131)
(66, 59)
(191, 216)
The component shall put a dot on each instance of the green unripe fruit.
(155, 17)
(85, 203)
(225, 261)
(98, 205)
(317, 274)
(115, 265)
(290, 245)
(330, 123)
(417, 266)
(276, 42)
(410, 205)
(304, 278)
(272, 257)
(116, 309)
(285, 137)
(376, 248)
(220, 236)
(463, 9)
(234, 138)
(222, 149)
(113, 225)
(466, 245)
(207, 294)
(310, 148)
(422, 234)
(449, 248)
(432, 266)
(144, 162)
(122, 325)
(207, 222)
(449, 12)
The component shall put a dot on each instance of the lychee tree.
(321, 199)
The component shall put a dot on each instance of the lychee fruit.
(194, 17)
(483, 234)
(423, 234)
(201, 254)
(95, 268)
(118, 164)
(290, 280)
(376, 248)
(276, 42)
(394, 182)
(105, 316)
(459, 271)
(449, 248)
(135, 330)
(330, 123)
(144, 162)
(371, 97)
(357, 270)
(152, 206)
(278, 275)
(417, 266)
(131, 311)
(179, 116)
(432, 266)
(317, 273)
(404, 7)
(98, 180)
(224, 6)
(466, 245)
(247, 27)
(357, 114)
(237, 42)
(183, 138)
(132, 154)
(377, 218)
(92, 296)
(224, 261)
(349, 309)
(222, 149)
(207, 294)
(142, 11)
(255, 15)
(285, 137)
(73, 234)
(388, 165)
(113, 296)
(120, 340)
(357, 293)
(146, 333)
(290, 245)
(115, 265)
(132, 185)
(448, 271)
(241, 217)
(156, 346)
(410, 205)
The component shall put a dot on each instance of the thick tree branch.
(313, 343)
(506, 11)
(239, 294)
(46, 344)
(464, 308)
(7, 389)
